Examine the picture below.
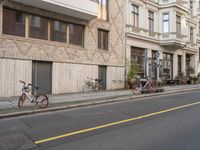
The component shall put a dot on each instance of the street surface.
(159, 123)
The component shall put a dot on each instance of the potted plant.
(192, 79)
(132, 73)
(191, 70)
(196, 80)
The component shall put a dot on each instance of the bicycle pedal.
(32, 101)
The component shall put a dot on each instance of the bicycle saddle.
(37, 87)
(98, 80)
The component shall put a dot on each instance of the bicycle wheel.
(42, 101)
(21, 100)
(136, 88)
(86, 88)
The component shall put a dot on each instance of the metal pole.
(158, 65)
(145, 63)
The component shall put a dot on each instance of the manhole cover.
(16, 141)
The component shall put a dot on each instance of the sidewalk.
(9, 108)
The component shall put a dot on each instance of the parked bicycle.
(92, 85)
(148, 85)
(41, 100)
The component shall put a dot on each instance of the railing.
(141, 32)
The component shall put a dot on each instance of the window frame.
(151, 20)
(101, 42)
(135, 15)
(83, 34)
(191, 35)
(47, 28)
(166, 21)
(191, 7)
(178, 24)
(51, 31)
(3, 25)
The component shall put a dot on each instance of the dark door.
(187, 65)
(179, 65)
(42, 76)
(102, 76)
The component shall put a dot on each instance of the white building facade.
(162, 37)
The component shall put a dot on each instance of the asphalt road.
(157, 123)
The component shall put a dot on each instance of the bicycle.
(41, 100)
(92, 85)
(144, 85)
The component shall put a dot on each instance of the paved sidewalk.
(8, 106)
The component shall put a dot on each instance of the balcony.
(141, 33)
(172, 40)
(86, 9)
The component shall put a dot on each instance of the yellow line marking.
(114, 123)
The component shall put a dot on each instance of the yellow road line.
(112, 124)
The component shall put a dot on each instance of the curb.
(106, 100)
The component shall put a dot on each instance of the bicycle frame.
(28, 95)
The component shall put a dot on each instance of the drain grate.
(16, 141)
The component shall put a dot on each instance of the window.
(166, 22)
(138, 61)
(151, 21)
(103, 9)
(76, 34)
(13, 22)
(38, 27)
(135, 14)
(103, 39)
(58, 31)
(191, 7)
(191, 35)
(178, 24)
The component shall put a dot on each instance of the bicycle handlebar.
(22, 82)
(29, 84)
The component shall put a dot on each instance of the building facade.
(162, 37)
(57, 44)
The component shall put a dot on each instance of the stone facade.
(28, 49)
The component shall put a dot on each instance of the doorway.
(179, 65)
(42, 76)
(102, 76)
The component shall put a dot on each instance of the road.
(156, 123)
